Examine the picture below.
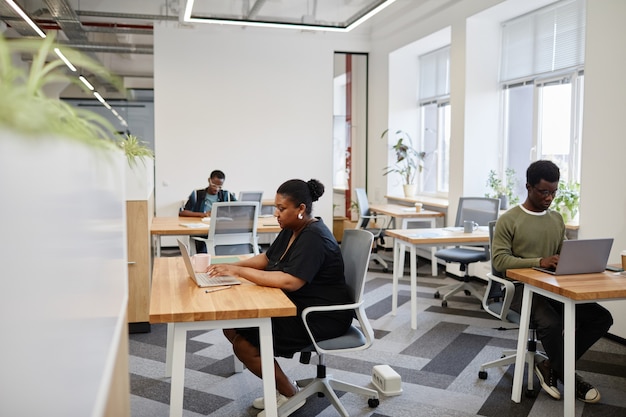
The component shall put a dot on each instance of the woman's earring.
(300, 216)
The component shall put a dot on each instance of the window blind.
(434, 78)
(546, 40)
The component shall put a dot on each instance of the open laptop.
(584, 256)
(202, 279)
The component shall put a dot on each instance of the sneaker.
(585, 391)
(547, 379)
(259, 403)
(280, 400)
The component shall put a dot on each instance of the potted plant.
(409, 161)
(503, 189)
(567, 199)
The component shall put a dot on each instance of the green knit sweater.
(521, 239)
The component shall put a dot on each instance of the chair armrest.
(509, 292)
(364, 323)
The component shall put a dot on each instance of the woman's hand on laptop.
(222, 269)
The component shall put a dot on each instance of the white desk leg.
(433, 260)
(238, 364)
(169, 346)
(397, 273)
(267, 368)
(156, 243)
(178, 371)
(413, 288)
(522, 338)
(569, 360)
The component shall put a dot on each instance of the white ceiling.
(119, 33)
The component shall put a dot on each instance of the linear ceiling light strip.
(63, 58)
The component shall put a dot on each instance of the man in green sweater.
(531, 235)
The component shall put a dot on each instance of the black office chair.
(364, 219)
(356, 250)
(497, 301)
(481, 210)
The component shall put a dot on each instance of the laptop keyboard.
(206, 280)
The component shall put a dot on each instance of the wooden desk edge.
(578, 292)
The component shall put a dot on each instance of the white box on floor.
(386, 380)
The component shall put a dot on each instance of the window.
(434, 102)
(542, 78)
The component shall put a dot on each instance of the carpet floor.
(438, 364)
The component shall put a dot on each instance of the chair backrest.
(364, 207)
(251, 196)
(356, 245)
(482, 210)
(499, 292)
(492, 228)
(233, 228)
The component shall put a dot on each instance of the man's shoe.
(585, 391)
(547, 379)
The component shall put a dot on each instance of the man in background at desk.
(531, 235)
(200, 202)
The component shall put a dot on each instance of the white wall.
(603, 194)
(257, 104)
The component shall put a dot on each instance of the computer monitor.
(251, 196)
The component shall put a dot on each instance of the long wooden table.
(570, 290)
(194, 226)
(176, 300)
(414, 238)
(403, 215)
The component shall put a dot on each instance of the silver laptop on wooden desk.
(584, 256)
(200, 278)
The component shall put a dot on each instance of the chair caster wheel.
(437, 295)
(373, 402)
(385, 270)
(482, 374)
(444, 303)
(467, 292)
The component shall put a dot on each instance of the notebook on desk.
(200, 278)
(584, 256)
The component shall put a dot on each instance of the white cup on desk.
(418, 207)
(469, 226)
(624, 260)
(201, 262)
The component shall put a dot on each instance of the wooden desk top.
(396, 210)
(440, 236)
(600, 286)
(175, 226)
(176, 298)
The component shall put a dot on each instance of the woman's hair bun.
(316, 189)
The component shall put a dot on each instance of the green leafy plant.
(26, 109)
(567, 200)
(134, 149)
(409, 161)
(502, 187)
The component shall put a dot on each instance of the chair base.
(508, 358)
(326, 386)
(378, 259)
(450, 290)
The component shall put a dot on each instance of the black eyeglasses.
(546, 193)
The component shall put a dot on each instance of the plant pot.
(409, 190)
